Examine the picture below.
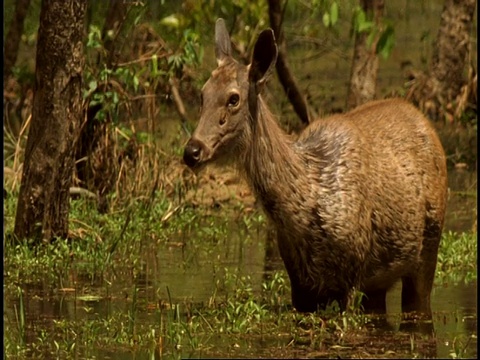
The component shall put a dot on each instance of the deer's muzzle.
(192, 152)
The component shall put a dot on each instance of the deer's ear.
(223, 45)
(264, 56)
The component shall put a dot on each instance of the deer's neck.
(273, 167)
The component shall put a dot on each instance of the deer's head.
(229, 100)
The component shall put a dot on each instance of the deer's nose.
(192, 152)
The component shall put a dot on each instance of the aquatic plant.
(457, 258)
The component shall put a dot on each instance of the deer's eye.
(233, 100)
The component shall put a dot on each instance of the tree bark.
(12, 40)
(363, 76)
(43, 204)
(437, 93)
(283, 70)
(452, 46)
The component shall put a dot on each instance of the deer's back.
(391, 138)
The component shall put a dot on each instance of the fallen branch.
(82, 192)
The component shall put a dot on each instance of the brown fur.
(358, 201)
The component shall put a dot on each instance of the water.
(189, 275)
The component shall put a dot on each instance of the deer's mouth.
(197, 154)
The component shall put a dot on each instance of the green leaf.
(154, 65)
(365, 26)
(135, 83)
(361, 22)
(326, 19)
(386, 42)
(94, 37)
(360, 18)
(334, 13)
(93, 103)
(115, 97)
(92, 85)
(372, 36)
(171, 21)
(137, 19)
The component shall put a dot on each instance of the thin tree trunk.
(115, 18)
(283, 70)
(43, 204)
(12, 40)
(363, 76)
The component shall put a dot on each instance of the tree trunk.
(452, 47)
(363, 76)
(43, 204)
(283, 70)
(437, 94)
(116, 16)
(12, 41)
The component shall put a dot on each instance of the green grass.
(457, 258)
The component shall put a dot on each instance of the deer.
(357, 199)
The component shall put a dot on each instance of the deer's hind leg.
(417, 286)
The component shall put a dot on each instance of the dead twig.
(179, 105)
(82, 192)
